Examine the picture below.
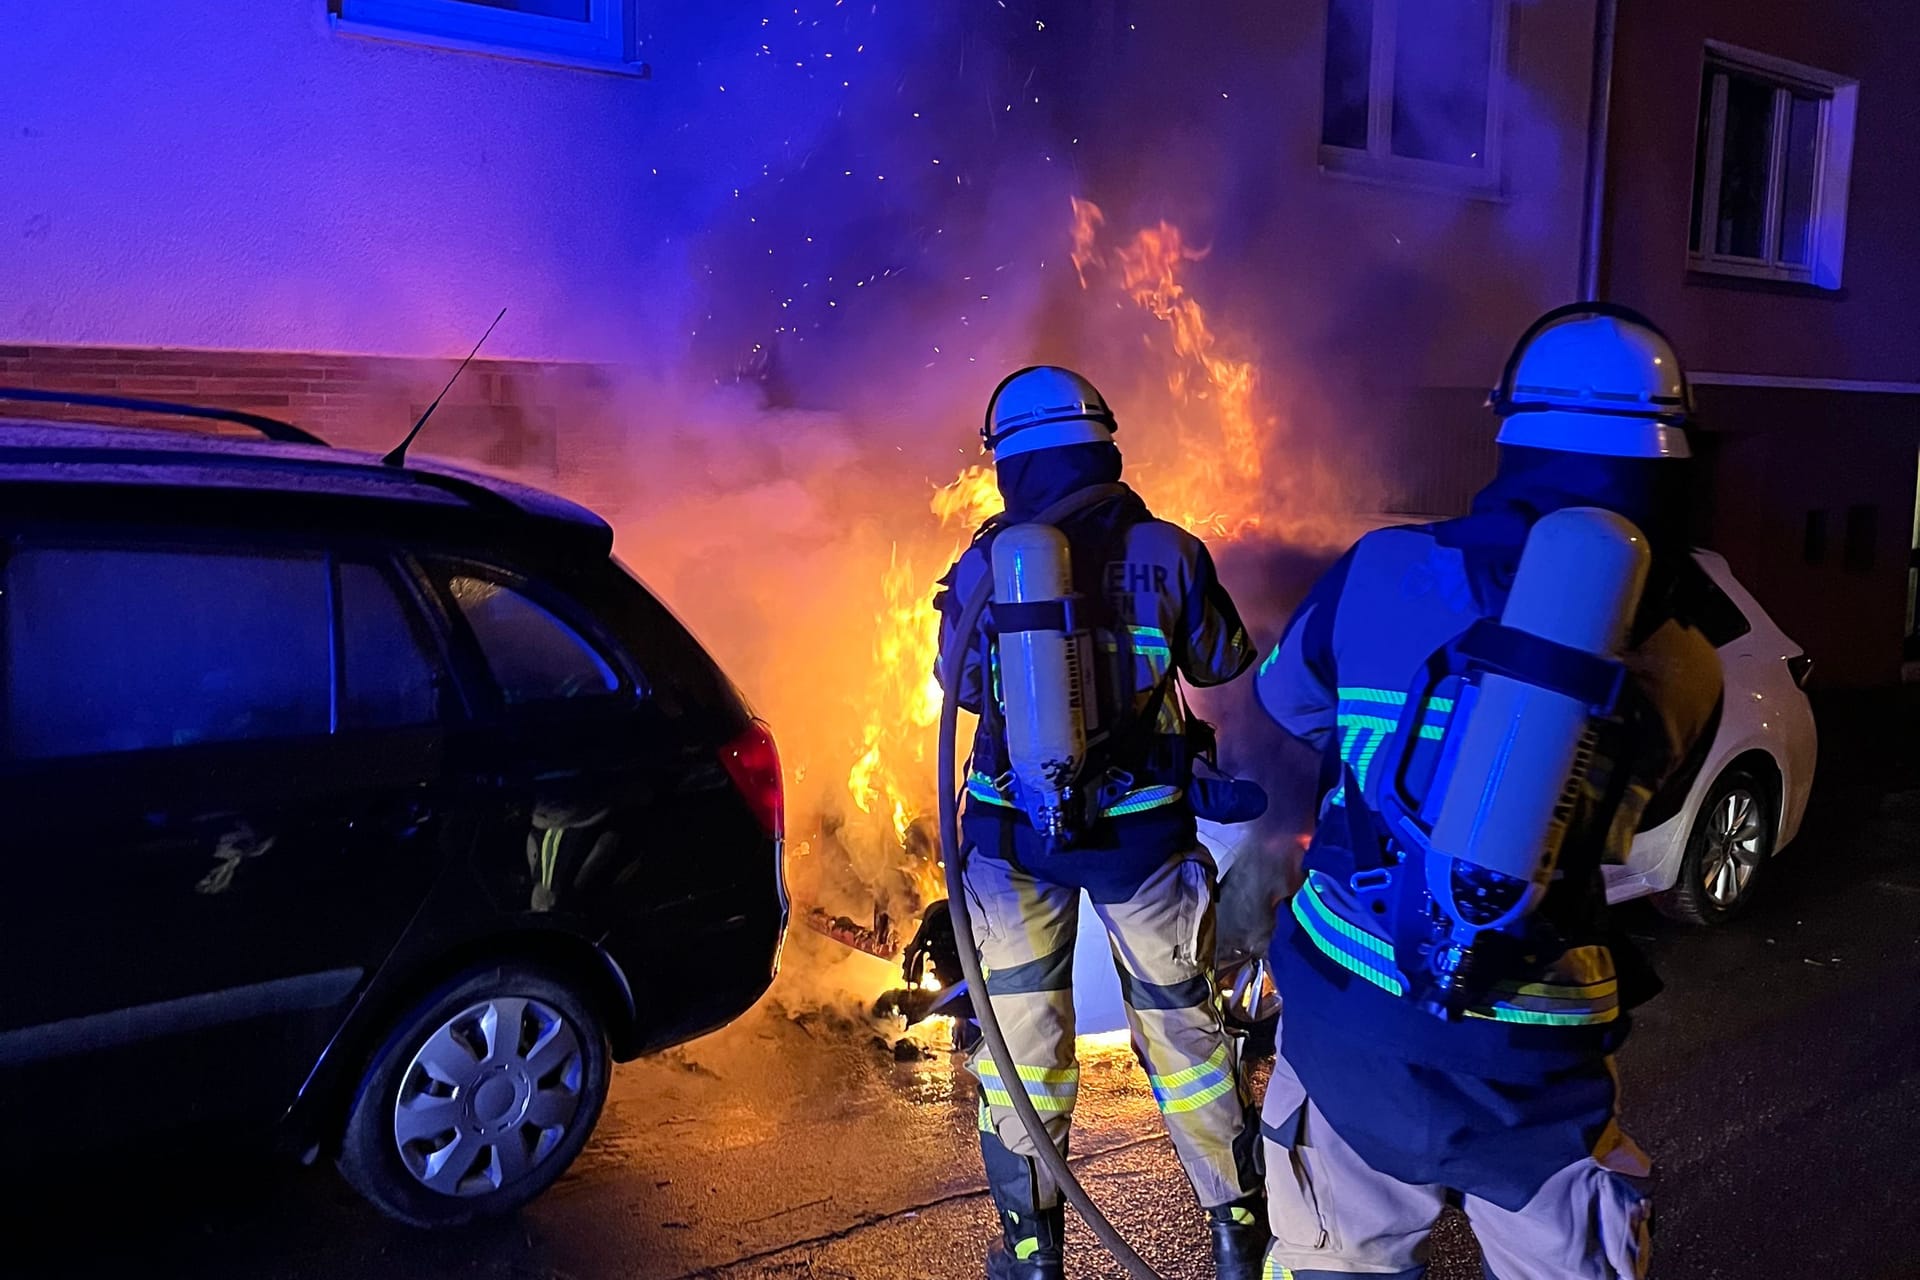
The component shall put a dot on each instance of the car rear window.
(111, 650)
(533, 655)
(1704, 604)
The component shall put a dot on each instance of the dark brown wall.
(1774, 455)
(1773, 458)
(1868, 329)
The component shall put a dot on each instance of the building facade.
(1759, 190)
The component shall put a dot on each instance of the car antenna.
(398, 458)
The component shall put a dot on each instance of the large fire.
(1200, 466)
(893, 774)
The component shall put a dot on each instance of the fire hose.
(1048, 1154)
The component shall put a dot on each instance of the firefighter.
(1497, 1091)
(1156, 613)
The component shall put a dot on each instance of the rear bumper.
(696, 968)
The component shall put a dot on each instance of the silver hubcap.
(1736, 839)
(488, 1096)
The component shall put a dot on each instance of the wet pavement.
(1776, 1082)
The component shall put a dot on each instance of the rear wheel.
(482, 1097)
(1732, 838)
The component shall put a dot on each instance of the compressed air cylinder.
(1042, 674)
(1579, 584)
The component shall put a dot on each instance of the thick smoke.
(871, 219)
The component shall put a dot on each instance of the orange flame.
(1212, 484)
(890, 776)
(1199, 466)
(1150, 272)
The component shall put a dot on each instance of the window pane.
(1742, 225)
(1443, 56)
(1803, 156)
(573, 10)
(126, 650)
(1703, 603)
(1700, 158)
(534, 656)
(1343, 121)
(388, 678)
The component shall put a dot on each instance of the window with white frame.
(590, 33)
(1413, 90)
(1772, 157)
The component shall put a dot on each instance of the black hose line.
(950, 673)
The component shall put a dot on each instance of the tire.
(1727, 852)
(480, 1098)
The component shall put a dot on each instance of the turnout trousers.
(1334, 1216)
(1162, 940)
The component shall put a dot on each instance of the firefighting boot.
(1032, 1238)
(1032, 1249)
(1240, 1238)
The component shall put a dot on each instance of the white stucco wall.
(236, 174)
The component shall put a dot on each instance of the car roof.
(38, 454)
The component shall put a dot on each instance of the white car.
(1700, 862)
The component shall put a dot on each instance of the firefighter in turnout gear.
(1453, 991)
(1107, 812)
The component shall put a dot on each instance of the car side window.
(110, 650)
(388, 679)
(533, 655)
(1711, 609)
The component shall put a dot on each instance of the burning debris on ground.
(876, 939)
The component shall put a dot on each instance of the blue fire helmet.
(1043, 407)
(1595, 378)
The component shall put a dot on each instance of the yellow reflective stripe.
(1188, 1076)
(1040, 1101)
(1533, 1017)
(1049, 1088)
(1379, 946)
(1339, 955)
(1379, 724)
(1387, 697)
(1193, 1102)
(1037, 1075)
(1242, 1216)
(1142, 799)
(1139, 800)
(1024, 1249)
(981, 787)
(1145, 638)
(549, 854)
(1364, 765)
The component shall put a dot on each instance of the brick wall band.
(534, 421)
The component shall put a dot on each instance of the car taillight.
(753, 762)
(1802, 667)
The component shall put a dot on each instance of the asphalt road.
(1776, 1082)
